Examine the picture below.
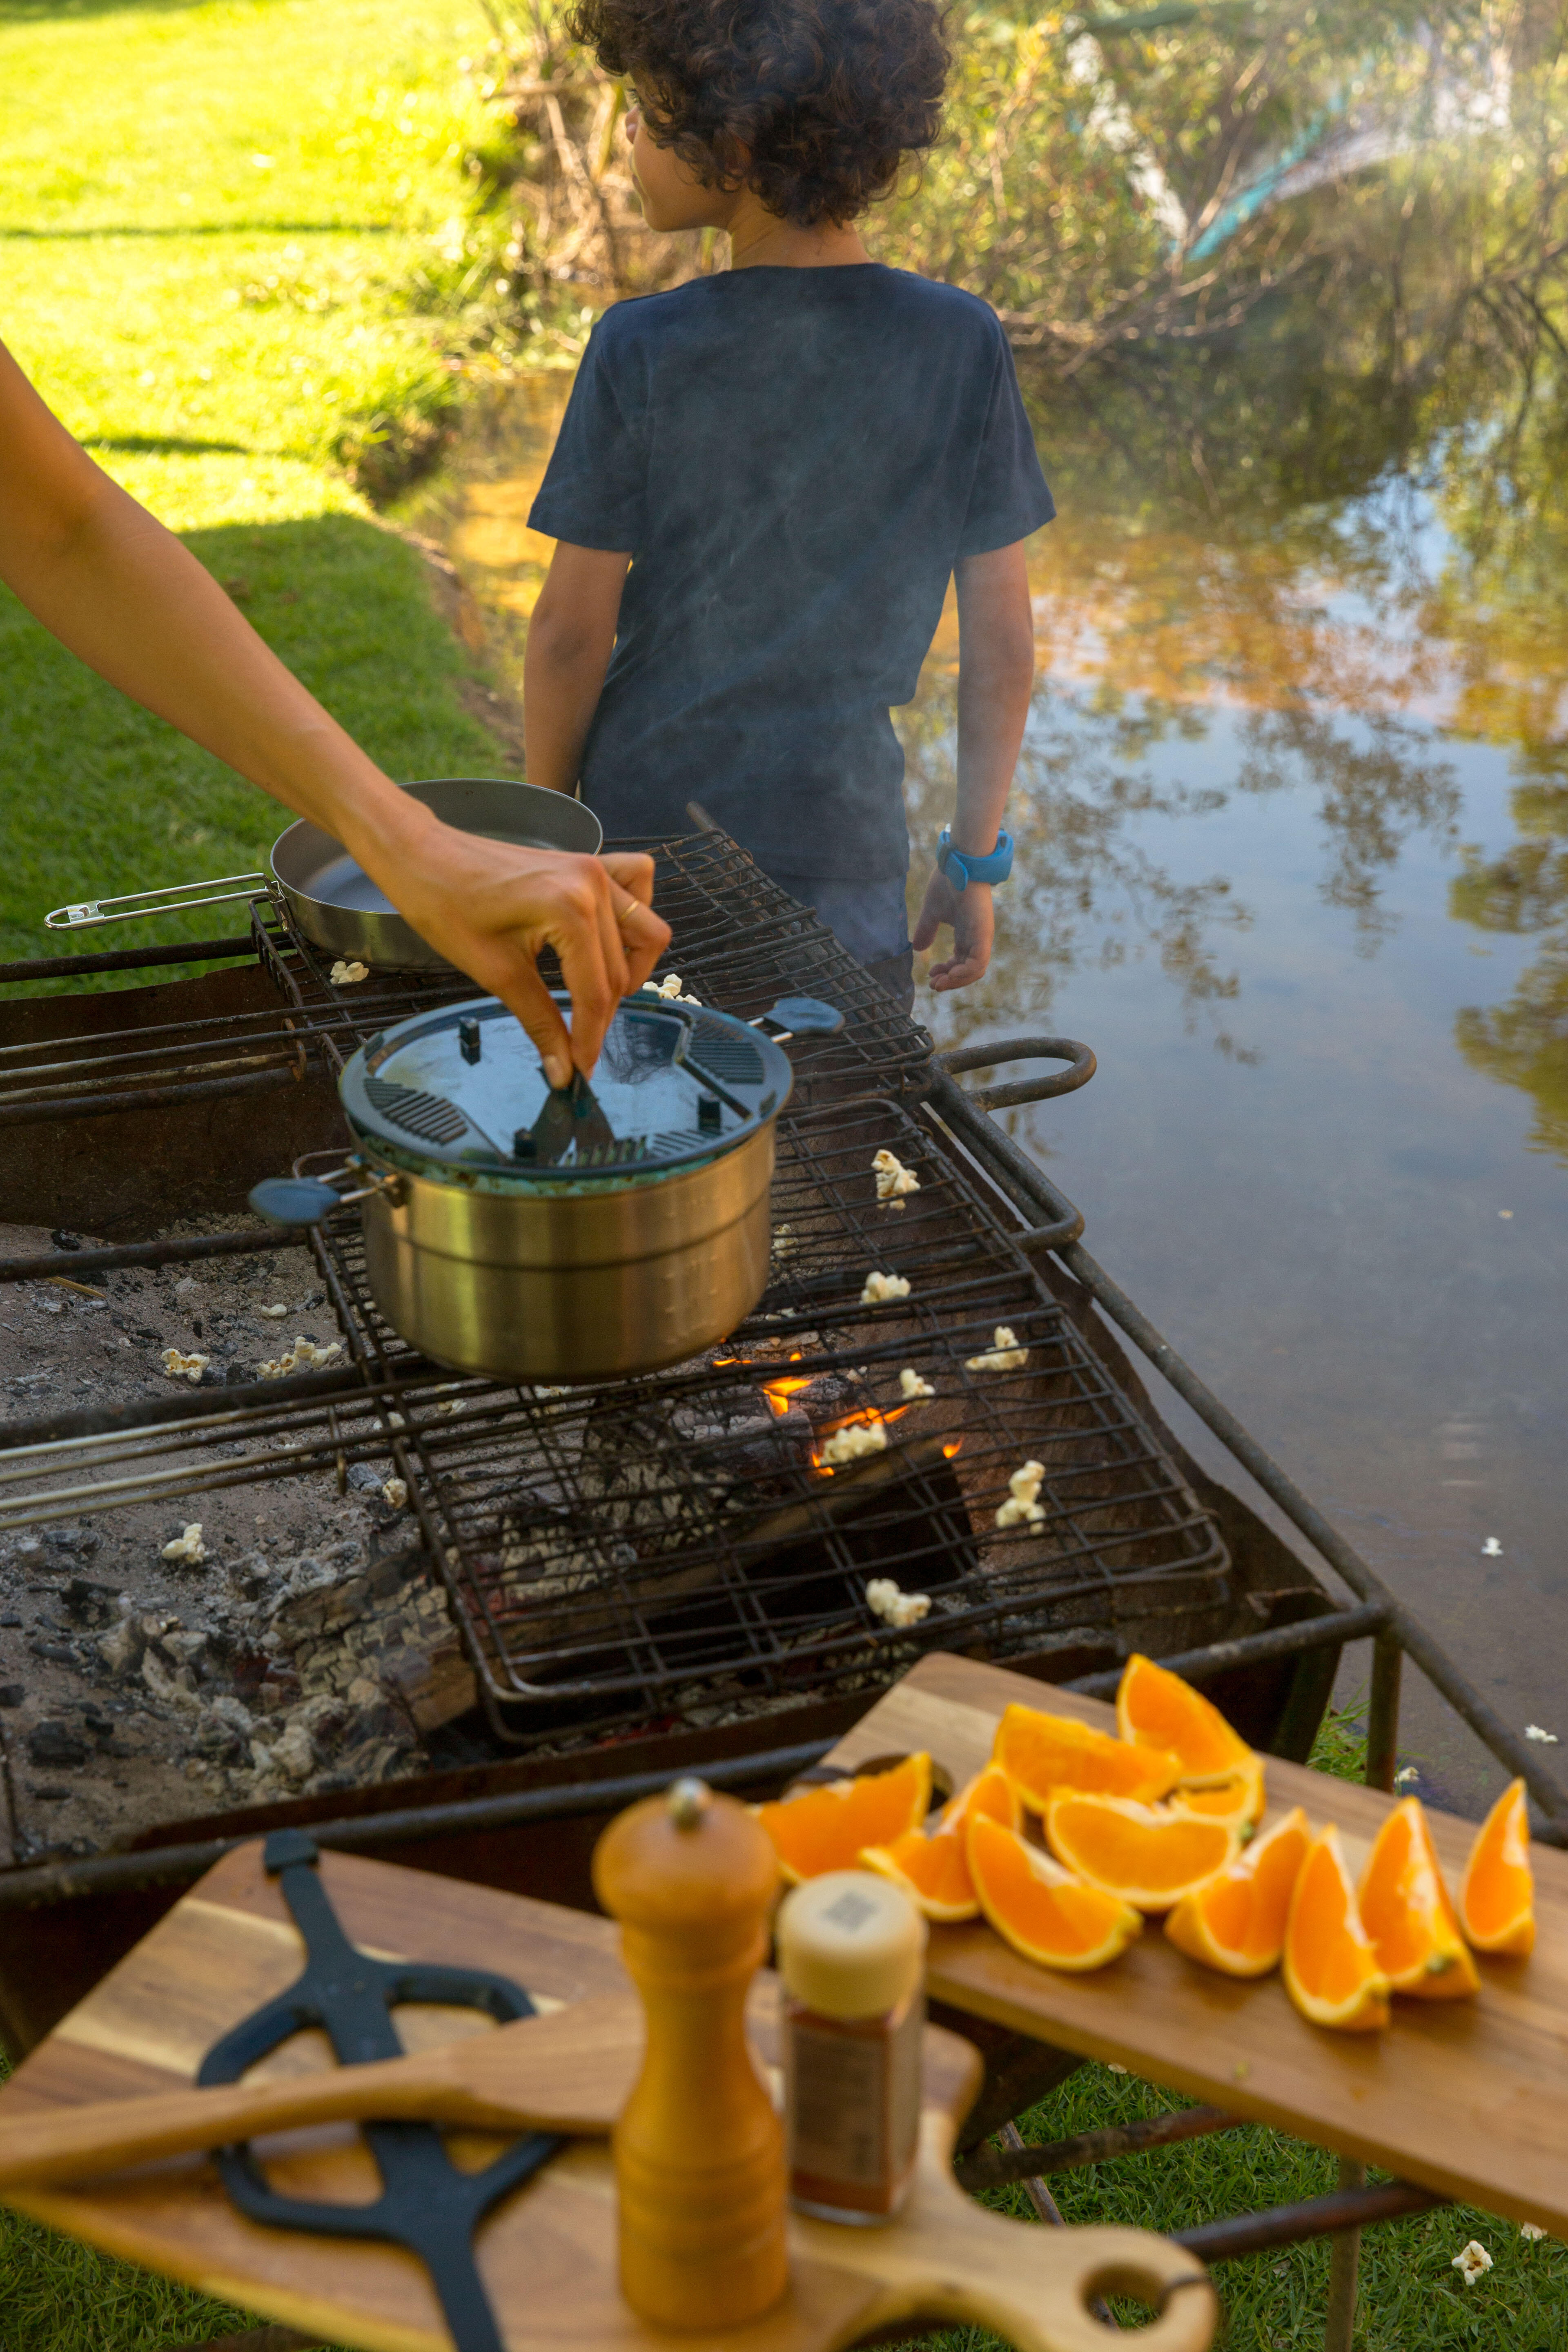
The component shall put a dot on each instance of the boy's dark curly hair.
(812, 103)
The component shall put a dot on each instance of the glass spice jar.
(851, 1952)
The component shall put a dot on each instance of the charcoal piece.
(12, 1694)
(58, 1654)
(87, 1602)
(64, 1241)
(51, 1742)
(365, 1479)
(49, 1796)
(11, 1618)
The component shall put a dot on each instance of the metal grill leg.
(1382, 1712)
(1344, 2261)
(1048, 2210)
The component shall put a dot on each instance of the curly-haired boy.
(766, 477)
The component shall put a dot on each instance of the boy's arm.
(996, 674)
(571, 637)
(130, 601)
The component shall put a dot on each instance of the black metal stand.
(426, 2205)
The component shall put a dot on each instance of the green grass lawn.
(209, 210)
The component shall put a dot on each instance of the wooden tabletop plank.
(1469, 2098)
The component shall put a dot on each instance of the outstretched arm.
(124, 594)
(996, 674)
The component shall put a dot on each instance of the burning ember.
(838, 1438)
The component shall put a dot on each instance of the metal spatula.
(572, 1116)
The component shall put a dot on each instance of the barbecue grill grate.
(741, 944)
(679, 1547)
(675, 1544)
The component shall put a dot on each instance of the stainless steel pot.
(497, 1251)
(334, 902)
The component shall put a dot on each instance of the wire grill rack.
(697, 1542)
(684, 1544)
(741, 944)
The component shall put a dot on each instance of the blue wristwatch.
(960, 868)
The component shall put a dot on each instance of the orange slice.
(1041, 1909)
(933, 1870)
(1331, 1968)
(1239, 1800)
(1156, 1708)
(1236, 1921)
(1497, 1898)
(825, 1829)
(1043, 1753)
(1405, 1908)
(1143, 1854)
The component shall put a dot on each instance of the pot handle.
(135, 904)
(294, 1199)
(306, 1200)
(798, 1016)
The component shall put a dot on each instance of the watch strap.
(961, 867)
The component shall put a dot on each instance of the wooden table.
(548, 2254)
(1468, 2098)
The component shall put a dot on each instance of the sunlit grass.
(208, 213)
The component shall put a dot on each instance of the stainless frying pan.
(333, 901)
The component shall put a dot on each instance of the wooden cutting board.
(1469, 2098)
(548, 2254)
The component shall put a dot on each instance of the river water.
(1292, 824)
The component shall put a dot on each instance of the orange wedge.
(1405, 1908)
(933, 1870)
(1497, 1898)
(1042, 1754)
(1239, 1800)
(1142, 1854)
(1156, 1708)
(1236, 1921)
(1043, 1911)
(1331, 1968)
(825, 1829)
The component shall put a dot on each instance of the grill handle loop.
(1079, 1058)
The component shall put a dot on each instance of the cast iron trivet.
(427, 2205)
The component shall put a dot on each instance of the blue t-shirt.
(794, 460)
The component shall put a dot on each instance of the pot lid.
(463, 1088)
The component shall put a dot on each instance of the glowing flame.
(866, 1418)
(950, 1449)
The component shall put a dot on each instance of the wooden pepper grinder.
(698, 2151)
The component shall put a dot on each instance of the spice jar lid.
(850, 1944)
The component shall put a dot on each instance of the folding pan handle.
(1080, 1059)
(135, 904)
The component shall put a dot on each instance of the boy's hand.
(973, 920)
(489, 907)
